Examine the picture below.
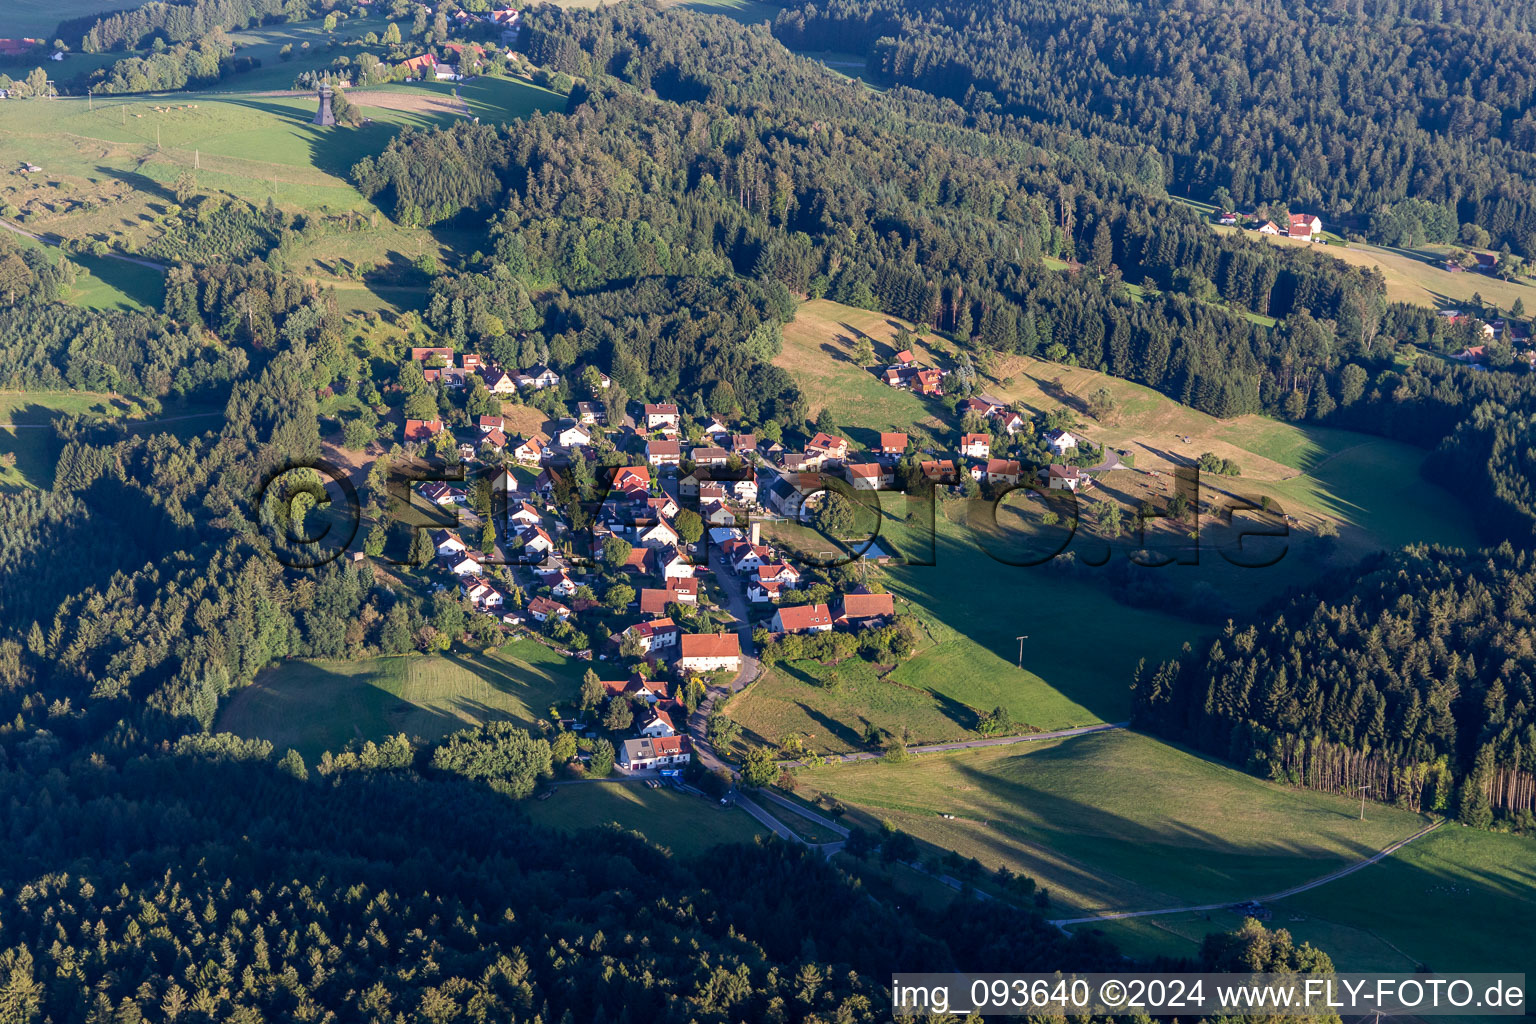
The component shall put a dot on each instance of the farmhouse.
(929, 382)
(707, 652)
(654, 753)
(1305, 226)
(864, 610)
(802, 618)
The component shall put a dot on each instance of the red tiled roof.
(804, 616)
(868, 606)
(711, 645)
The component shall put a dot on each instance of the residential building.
(976, 446)
(661, 415)
(802, 618)
(422, 430)
(864, 610)
(660, 752)
(709, 652)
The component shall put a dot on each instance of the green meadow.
(687, 825)
(314, 706)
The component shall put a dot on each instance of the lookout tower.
(323, 116)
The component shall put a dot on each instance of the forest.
(1413, 674)
(1354, 112)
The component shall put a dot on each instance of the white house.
(523, 515)
(573, 435)
(661, 415)
(464, 564)
(536, 541)
(709, 652)
(448, 542)
(1061, 442)
(659, 535)
(657, 752)
(976, 446)
(656, 723)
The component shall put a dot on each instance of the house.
(422, 430)
(531, 450)
(466, 451)
(426, 355)
(743, 444)
(869, 476)
(976, 446)
(939, 471)
(535, 541)
(745, 489)
(905, 357)
(1486, 261)
(1061, 442)
(761, 591)
(982, 406)
(709, 456)
(641, 560)
(471, 362)
(542, 608)
(708, 652)
(478, 592)
(1065, 478)
(663, 506)
(686, 588)
(630, 480)
(500, 382)
(661, 415)
(654, 601)
(447, 73)
(523, 515)
(797, 462)
(545, 483)
(1010, 422)
(744, 557)
(495, 439)
(447, 376)
(929, 382)
(558, 583)
(1269, 227)
(862, 611)
(490, 423)
(717, 431)
(716, 514)
(895, 376)
(656, 722)
(659, 535)
(657, 752)
(589, 413)
(827, 448)
(542, 377)
(664, 453)
(1227, 218)
(892, 444)
(1472, 354)
(1305, 226)
(573, 435)
(672, 565)
(655, 635)
(447, 542)
(464, 564)
(442, 494)
(802, 618)
(1002, 471)
(779, 572)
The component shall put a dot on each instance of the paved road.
(804, 812)
(735, 595)
(1304, 887)
(49, 240)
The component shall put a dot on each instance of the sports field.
(1114, 821)
(685, 824)
(314, 706)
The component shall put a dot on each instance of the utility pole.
(1021, 640)
(1362, 801)
(90, 103)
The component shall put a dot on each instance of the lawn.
(1114, 821)
(685, 824)
(314, 706)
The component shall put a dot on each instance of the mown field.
(314, 706)
(685, 824)
(1114, 821)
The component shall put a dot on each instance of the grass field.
(24, 431)
(1418, 275)
(39, 18)
(1114, 821)
(314, 706)
(685, 824)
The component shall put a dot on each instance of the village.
(634, 536)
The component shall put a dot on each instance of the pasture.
(28, 446)
(40, 18)
(1113, 821)
(314, 706)
(687, 825)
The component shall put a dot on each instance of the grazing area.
(1113, 821)
(684, 823)
(28, 443)
(314, 706)
(39, 18)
